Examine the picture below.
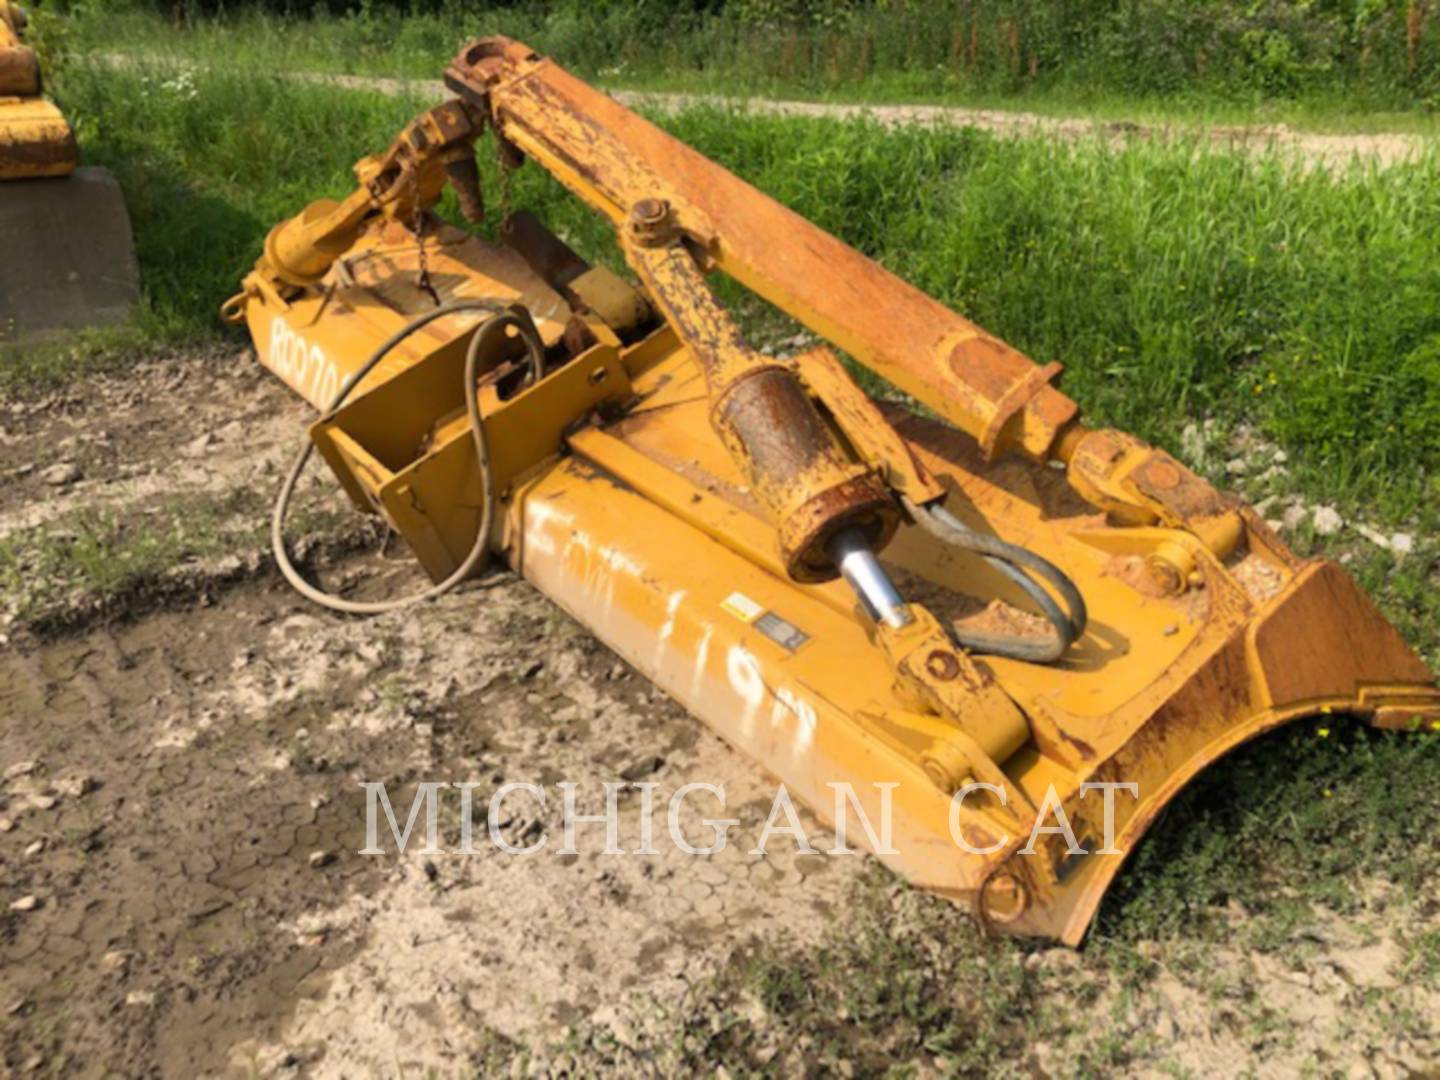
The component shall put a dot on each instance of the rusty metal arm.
(612, 158)
(832, 511)
(436, 148)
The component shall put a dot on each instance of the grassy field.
(1176, 284)
(889, 62)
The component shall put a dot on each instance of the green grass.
(93, 559)
(909, 58)
(98, 561)
(210, 163)
(1171, 281)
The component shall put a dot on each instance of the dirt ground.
(181, 819)
(1313, 148)
(182, 797)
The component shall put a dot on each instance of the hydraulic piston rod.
(863, 573)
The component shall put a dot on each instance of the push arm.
(614, 160)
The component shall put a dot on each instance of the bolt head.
(942, 665)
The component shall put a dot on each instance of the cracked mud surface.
(202, 905)
(181, 819)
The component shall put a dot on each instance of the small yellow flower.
(1324, 733)
(1327, 793)
(1435, 725)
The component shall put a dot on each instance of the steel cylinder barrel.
(796, 464)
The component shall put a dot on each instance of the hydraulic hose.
(500, 318)
(1017, 564)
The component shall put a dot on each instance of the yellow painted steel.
(629, 498)
(35, 139)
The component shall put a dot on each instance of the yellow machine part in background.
(35, 139)
(69, 253)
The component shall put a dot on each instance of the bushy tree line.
(1264, 47)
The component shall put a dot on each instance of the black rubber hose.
(1017, 564)
(500, 318)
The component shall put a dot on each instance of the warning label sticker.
(742, 607)
(784, 633)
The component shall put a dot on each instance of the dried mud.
(183, 892)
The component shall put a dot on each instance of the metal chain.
(422, 279)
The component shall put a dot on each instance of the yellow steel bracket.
(435, 148)
(1137, 484)
(872, 436)
(934, 676)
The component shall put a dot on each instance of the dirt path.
(181, 821)
(1335, 150)
(1311, 148)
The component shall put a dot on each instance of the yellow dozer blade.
(69, 255)
(35, 140)
(1016, 635)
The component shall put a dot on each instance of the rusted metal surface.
(614, 158)
(669, 487)
(793, 460)
(866, 426)
(19, 71)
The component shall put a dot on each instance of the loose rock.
(1327, 521)
(75, 787)
(644, 767)
(66, 472)
(1377, 538)
(25, 903)
(197, 446)
(115, 960)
